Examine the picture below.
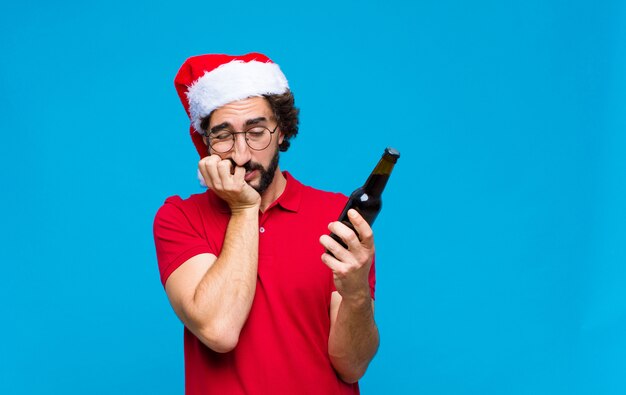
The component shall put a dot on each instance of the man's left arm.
(353, 339)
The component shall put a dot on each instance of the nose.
(241, 152)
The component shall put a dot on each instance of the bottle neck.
(380, 175)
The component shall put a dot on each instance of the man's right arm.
(213, 295)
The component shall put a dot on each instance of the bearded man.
(271, 304)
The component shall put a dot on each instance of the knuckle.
(367, 234)
(351, 237)
(362, 260)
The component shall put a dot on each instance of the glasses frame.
(245, 136)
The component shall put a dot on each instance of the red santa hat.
(207, 82)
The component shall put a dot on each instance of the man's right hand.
(213, 294)
(229, 184)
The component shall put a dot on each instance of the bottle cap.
(393, 153)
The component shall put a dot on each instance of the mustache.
(248, 166)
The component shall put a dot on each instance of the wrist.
(358, 300)
(245, 210)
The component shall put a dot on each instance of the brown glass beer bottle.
(367, 199)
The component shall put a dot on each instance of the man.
(241, 266)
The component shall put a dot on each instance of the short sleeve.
(372, 278)
(175, 237)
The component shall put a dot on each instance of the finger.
(362, 228)
(203, 166)
(211, 166)
(336, 249)
(224, 171)
(203, 173)
(347, 235)
(239, 175)
(334, 264)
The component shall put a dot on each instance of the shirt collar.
(292, 195)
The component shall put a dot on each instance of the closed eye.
(221, 135)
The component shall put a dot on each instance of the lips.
(250, 175)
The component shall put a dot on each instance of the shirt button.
(262, 229)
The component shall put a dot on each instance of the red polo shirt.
(283, 347)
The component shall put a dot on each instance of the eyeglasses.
(258, 138)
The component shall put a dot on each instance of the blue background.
(501, 246)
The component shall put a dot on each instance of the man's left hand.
(350, 266)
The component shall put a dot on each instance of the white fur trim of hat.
(230, 82)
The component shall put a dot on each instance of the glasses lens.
(221, 141)
(258, 138)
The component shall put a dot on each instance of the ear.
(281, 137)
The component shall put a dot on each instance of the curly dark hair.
(285, 112)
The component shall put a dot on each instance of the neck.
(274, 191)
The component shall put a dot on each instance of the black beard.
(267, 175)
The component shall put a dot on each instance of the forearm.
(353, 339)
(223, 297)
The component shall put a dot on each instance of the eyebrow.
(221, 126)
(227, 125)
(256, 120)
